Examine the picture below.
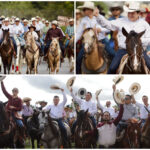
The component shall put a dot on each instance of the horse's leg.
(52, 67)
(32, 141)
(57, 65)
(35, 63)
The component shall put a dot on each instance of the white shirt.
(107, 135)
(37, 27)
(72, 114)
(1, 34)
(109, 109)
(85, 23)
(138, 26)
(10, 27)
(18, 29)
(84, 105)
(35, 35)
(143, 111)
(56, 111)
(40, 24)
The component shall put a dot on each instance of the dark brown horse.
(131, 138)
(145, 136)
(6, 50)
(135, 63)
(84, 123)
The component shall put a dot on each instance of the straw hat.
(17, 19)
(119, 95)
(2, 78)
(78, 11)
(26, 99)
(6, 19)
(33, 19)
(116, 5)
(39, 102)
(133, 6)
(25, 20)
(55, 87)
(70, 82)
(89, 5)
(118, 79)
(31, 26)
(98, 92)
(134, 88)
(70, 20)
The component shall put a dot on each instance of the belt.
(56, 118)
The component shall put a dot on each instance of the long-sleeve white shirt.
(56, 111)
(10, 27)
(84, 105)
(85, 23)
(143, 111)
(109, 109)
(138, 26)
(18, 29)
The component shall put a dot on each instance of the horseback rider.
(132, 22)
(54, 32)
(7, 26)
(69, 32)
(56, 113)
(27, 110)
(107, 108)
(107, 129)
(130, 112)
(25, 25)
(89, 21)
(85, 104)
(42, 104)
(144, 108)
(14, 105)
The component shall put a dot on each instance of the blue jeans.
(143, 122)
(19, 122)
(121, 125)
(62, 128)
(116, 60)
(66, 44)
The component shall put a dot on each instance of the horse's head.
(5, 36)
(134, 134)
(134, 48)
(88, 39)
(82, 115)
(28, 38)
(54, 45)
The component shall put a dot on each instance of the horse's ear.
(125, 33)
(2, 29)
(141, 33)
(8, 29)
(87, 111)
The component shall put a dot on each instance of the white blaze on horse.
(32, 53)
(54, 55)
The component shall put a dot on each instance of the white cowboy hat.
(17, 19)
(89, 5)
(2, 78)
(133, 6)
(116, 5)
(25, 20)
(134, 88)
(3, 17)
(26, 99)
(78, 11)
(6, 19)
(119, 95)
(98, 92)
(37, 17)
(55, 87)
(55, 22)
(33, 19)
(46, 21)
(118, 79)
(70, 20)
(70, 82)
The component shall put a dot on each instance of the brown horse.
(69, 51)
(6, 50)
(54, 56)
(145, 135)
(133, 62)
(84, 123)
(131, 138)
(93, 61)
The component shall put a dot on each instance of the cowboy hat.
(6, 19)
(55, 22)
(39, 102)
(78, 11)
(2, 78)
(25, 20)
(46, 21)
(133, 7)
(31, 26)
(26, 99)
(70, 82)
(98, 92)
(70, 20)
(3, 17)
(118, 79)
(33, 19)
(134, 88)
(116, 5)
(119, 95)
(55, 87)
(17, 19)
(89, 5)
